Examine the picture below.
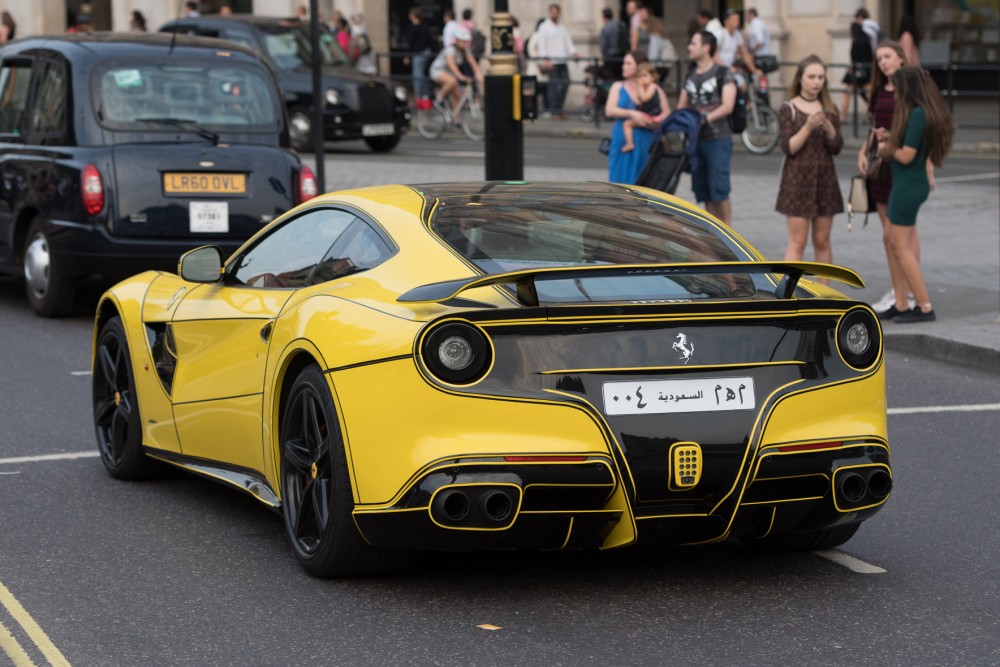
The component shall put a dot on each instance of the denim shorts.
(710, 181)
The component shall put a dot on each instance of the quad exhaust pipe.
(862, 487)
(494, 506)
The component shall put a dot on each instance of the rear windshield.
(290, 48)
(148, 95)
(499, 235)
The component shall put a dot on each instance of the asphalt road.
(180, 571)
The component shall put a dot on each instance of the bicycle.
(761, 133)
(432, 120)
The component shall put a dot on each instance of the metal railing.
(949, 74)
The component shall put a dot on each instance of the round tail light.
(457, 353)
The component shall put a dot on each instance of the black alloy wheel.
(317, 500)
(117, 423)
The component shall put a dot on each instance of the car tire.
(117, 422)
(317, 499)
(815, 540)
(49, 293)
(300, 130)
(383, 144)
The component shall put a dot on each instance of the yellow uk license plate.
(209, 184)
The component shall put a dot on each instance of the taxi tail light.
(308, 187)
(92, 189)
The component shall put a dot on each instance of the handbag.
(858, 200)
(876, 164)
(605, 146)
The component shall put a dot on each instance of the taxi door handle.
(265, 332)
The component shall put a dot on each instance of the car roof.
(126, 43)
(249, 19)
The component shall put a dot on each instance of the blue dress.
(626, 167)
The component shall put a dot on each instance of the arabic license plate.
(214, 184)
(671, 396)
(209, 217)
(377, 130)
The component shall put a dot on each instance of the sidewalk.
(959, 232)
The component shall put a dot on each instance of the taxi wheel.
(317, 500)
(49, 293)
(815, 540)
(116, 407)
(383, 144)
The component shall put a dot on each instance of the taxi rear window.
(148, 96)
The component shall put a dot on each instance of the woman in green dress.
(922, 130)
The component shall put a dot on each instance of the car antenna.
(177, 26)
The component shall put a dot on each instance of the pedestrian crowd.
(912, 133)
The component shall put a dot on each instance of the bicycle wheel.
(430, 123)
(761, 133)
(473, 120)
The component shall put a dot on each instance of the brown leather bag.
(877, 166)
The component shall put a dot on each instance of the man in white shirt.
(732, 44)
(758, 36)
(707, 21)
(555, 48)
(451, 24)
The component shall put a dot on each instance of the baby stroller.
(671, 152)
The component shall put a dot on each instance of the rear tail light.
(762, 84)
(308, 188)
(92, 190)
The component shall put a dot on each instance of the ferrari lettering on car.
(474, 366)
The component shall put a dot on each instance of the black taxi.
(120, 152)
(355, 105)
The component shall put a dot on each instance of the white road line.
(968, 177)
(981, 407)
(68, 456)
(850, 562)
(81, 373)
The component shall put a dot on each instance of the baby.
(648, 102)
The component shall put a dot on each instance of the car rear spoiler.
(524, 281)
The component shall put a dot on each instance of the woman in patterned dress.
(809, 194)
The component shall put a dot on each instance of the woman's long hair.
(824, 93)
(878, 76)
(916, 89)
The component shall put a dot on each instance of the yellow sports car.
(499, 365)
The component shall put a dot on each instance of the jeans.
(421, 83)
(557, 86)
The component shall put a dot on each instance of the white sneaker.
(888, 300)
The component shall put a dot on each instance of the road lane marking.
(968, 177)
(34, 632)
(81, 372)
(980, 407)
(850, 562)
(68, 456)
(9, 645)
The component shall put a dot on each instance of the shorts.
(710, 181)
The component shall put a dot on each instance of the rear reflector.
(308, 187)
(812, 445)
(543, 459)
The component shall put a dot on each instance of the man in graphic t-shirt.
(702, 92)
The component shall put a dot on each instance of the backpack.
(478, 43)
(738, 118)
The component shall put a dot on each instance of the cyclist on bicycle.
(446, 70)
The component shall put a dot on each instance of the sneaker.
(439, 105)
(889, 313)
(916, 315)
(887, 301)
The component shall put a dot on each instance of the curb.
(942, 349)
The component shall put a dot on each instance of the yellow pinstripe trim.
(569, 531)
